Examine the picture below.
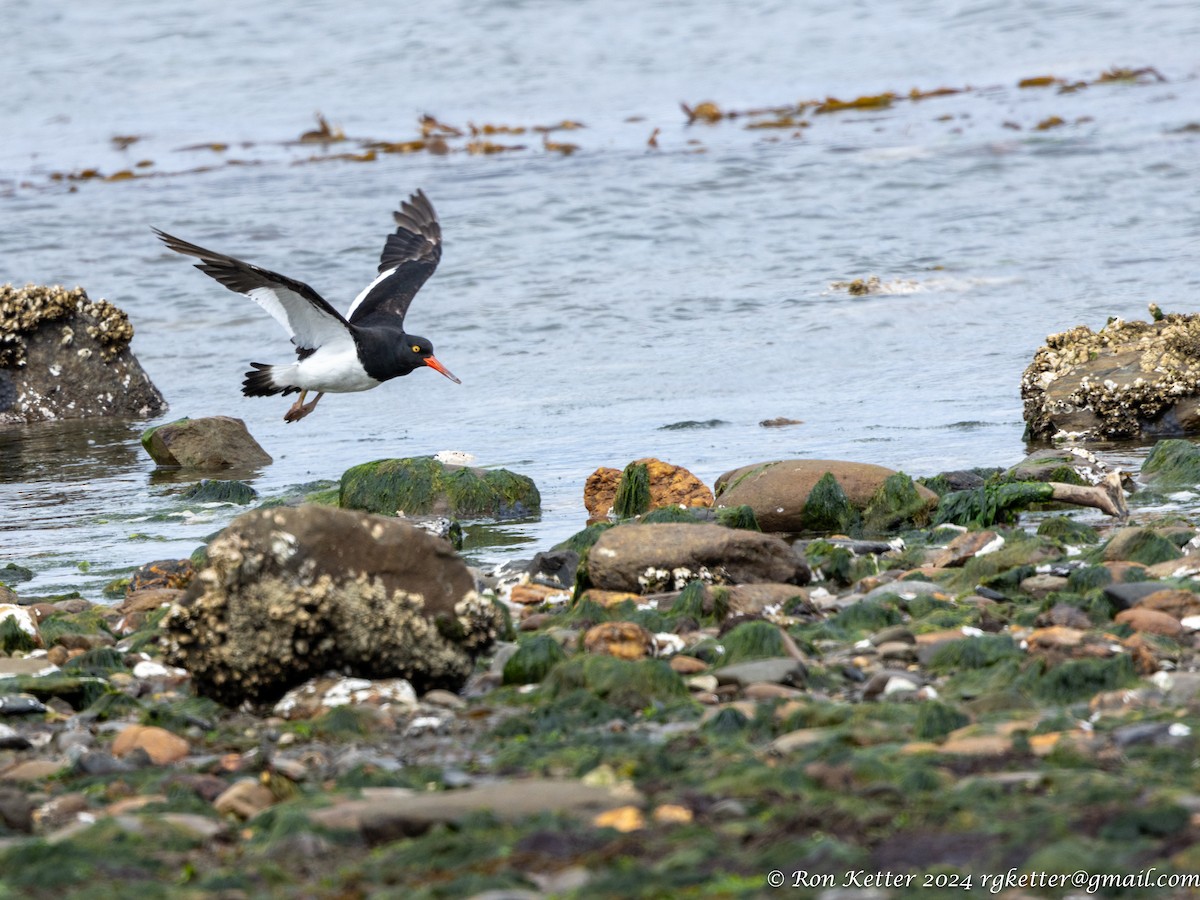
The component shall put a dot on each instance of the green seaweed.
(976, 652)
(13, 638)
(622, 683)
(991, 504)
(214, 491)
(897, 503)
(1172, 463)
(936, 719)
(827, 509)
(1069, 531)
(753, 640)
(633, 491)
(738, 517)
(534, 658)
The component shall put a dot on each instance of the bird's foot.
(300, 409)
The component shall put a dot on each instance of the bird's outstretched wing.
(308, 318)
(409, 258)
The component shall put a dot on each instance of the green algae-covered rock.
(215, 491)
(753, 640)
(633, 491)
(422, 485)
(533, 660)
(1140, 545)
(1172, 464)
(1069, 531)
(621, 682)
(897, 502)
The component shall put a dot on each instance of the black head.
(418, 351)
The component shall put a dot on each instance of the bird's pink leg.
(300, 409)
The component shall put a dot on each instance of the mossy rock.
(753, 640)
(896, 503)
(633, 491)
(1140, 545)
(15, 639)
(1173, 463)
(13, 574)
(827, 509)
(533, 660)
(421, 485)
(623, 683)
(215, 491)
(1069, 531)
(936, 719)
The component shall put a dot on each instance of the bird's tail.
(263, 381)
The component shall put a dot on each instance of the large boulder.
(208, 444)
(651, 558)
(290, 593)
(422, 485)
(648, 483)
(63, 356)
(1128, 379)
(780, 492)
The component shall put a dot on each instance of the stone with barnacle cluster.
(1126, 380)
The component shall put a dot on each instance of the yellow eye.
(416, 348)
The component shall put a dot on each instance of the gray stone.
(1126, 594)
(387, 814)
(778, 670)
(292, 593)
(63, 356)
(649, 558)
(208, 444)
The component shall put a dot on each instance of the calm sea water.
(589, 300)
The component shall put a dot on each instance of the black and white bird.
(337, 354)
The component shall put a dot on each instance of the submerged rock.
(1127, 380)
(423, 485)
(63, 356)
(642, 485)
(823, 495)
(292, 593)
(208, 444)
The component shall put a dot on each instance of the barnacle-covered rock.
(290, 593)
(1129, 379)
(63, 356)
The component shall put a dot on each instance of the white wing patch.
(308, 326)
(383, 276)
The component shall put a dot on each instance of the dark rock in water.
(292, 593)
(650, 558)
(20, 705)
(422, 485)
(689, 424)
(779, 493)
(1130, 379)
(63, 356)
(643, 485)
(14, 574)
(209, 444)
(214, 491)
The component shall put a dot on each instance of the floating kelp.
(323, 133)
(876, 101)
(703, 112)
(1048, 123)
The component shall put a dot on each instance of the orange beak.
(438, 367)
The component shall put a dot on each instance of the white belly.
(334, 369)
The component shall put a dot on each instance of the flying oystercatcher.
(337, 354)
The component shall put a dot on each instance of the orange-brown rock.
(148, 599)
(1154, 621)
(669, 486)
(687, 665)
(533, 594)
(610, 598)
(160, 745)
(1177, 603)
(624, 640)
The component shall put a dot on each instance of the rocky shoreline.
(890, 678)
